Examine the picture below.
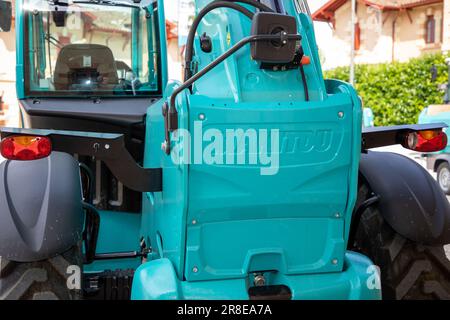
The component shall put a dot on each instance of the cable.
(196, 23)
(254, 3)
(214, 5)
(305, 83)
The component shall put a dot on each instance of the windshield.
(91, 48)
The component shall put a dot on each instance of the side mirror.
(271, 24)
(5, 16)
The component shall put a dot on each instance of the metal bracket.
(108, 147)
(385, 136)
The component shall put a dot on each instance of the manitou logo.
(306, 141)
(255, 147)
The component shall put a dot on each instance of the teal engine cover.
(259, 180)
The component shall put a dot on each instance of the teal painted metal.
(119, 232)
(352, 283)
(213, 225)
(368, 118)
(19, 25)
(162, 43)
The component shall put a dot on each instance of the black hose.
(214, 5)
(196, 23)
(305, 83)
(90, 234)
(254, 3)
(91, 182)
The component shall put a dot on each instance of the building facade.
(386, 30)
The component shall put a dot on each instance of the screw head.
(341, 114)
(194, 222)
(194, 269)
(335, 261)
(201, 116)
(107, 146)
(337, 215)
(259, 280)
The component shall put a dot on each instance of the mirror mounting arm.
(172, 114)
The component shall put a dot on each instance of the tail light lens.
(426, 141)
(25, 148)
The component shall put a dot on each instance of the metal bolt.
(341, 114)
(337, 215)
(194, 269)
(201, 116)
(335, 261)
(107, 146)
(259, 280)
(194, 222)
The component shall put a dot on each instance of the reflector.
(426, 141)
(25, 148)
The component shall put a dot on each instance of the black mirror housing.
(5, 16)
(265, 23)
(59, 18)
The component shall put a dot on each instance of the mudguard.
(410, 199)
(41, 213)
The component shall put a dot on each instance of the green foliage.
(397, 92)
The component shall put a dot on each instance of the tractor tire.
(443, 177)
(409, 271)
(44, 280)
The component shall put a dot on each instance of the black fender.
(41, 208)
(410, 200)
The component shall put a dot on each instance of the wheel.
(443, 177)
(409, 271)
(45, 280)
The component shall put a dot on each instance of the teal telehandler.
(251, 179)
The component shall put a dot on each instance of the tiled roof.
(326, 12)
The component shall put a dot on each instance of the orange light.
(305, 60)
(25, 148)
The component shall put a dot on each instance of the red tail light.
(426, 141)
(25, 147)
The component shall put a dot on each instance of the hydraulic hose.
(253, 3)
(214, 5)
(193, 30)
